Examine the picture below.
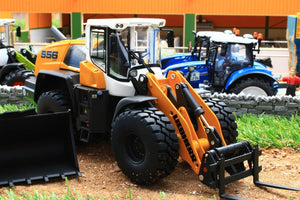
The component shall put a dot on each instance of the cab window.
(97, 47)
(75, 55)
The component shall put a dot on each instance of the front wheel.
(52, 101)
(144, 144)
(17, 77)
(253, 86)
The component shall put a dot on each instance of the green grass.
(21, 23)
(270, 131)
(12, 107)
(56, 22)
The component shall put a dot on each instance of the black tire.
(229, 128)
(17, 77)
(226, 118)
(255, 86)
(145, 145)
(52, 101)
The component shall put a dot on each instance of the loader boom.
(193, 143)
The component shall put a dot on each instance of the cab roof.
(122, 23)
(226, 37)
(6, 21)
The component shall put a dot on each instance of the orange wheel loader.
(112, 82)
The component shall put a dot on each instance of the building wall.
(203, 7)
(221, 14)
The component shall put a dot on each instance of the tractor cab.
(6, 39)
(229, 53)
(6, 33)
(15, 66)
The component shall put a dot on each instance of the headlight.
(191, 68)
(133, 73)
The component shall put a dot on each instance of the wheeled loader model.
(112, 83)
(15, 66)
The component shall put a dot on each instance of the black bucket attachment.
(231, 158)
(36, 147)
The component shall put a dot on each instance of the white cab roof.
(6, 21)
(226, 37)
(122, 23)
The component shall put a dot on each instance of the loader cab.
(6, 41)
(6, 33)
(122, 50)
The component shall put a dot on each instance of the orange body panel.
(91, 76)
(52, 56)
(192, 144)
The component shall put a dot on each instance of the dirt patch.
(102, 177)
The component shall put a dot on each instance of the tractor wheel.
(253, 86)
(52, 101)
(17, 77)
(225, 117)
(228, 126)
(144, 144)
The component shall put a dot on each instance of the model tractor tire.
(226, 119)
(17, 77)
(228, 124)
(145, 145)
(253, 86)
(52, 101)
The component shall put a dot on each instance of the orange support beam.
(40, 20)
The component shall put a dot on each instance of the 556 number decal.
(49, 54)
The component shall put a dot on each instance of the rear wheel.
(144, 144)
(52, 101)
(225, 117)
(253, 86)
(17, 77)
(228, 124)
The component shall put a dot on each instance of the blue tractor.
(224, 62)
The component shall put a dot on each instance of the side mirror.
(223, 50)
(18, 33)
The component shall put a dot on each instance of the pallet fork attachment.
(214, 157)
(36, 147)
(215, 163)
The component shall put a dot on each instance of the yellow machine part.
(193, 144)
(91, 76)
(52, 56)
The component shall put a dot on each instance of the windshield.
(132, 47)
(144, 42)
(236, 55)
(6, 36)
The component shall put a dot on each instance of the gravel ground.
(102, 178)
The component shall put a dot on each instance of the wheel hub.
(135, 148)
(253, 90)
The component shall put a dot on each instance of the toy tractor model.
(15, 66)
(114, 84)
(224, 62)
